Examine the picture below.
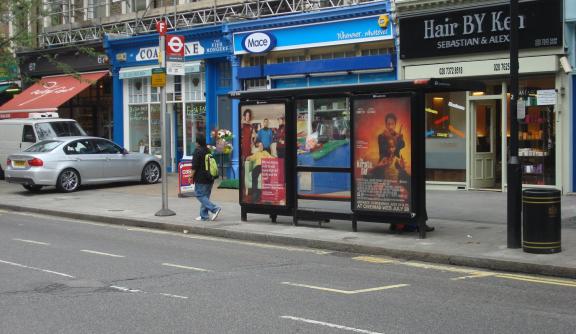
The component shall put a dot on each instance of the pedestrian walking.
(203, 181)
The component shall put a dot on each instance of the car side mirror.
(124, 151)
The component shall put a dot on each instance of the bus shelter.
(347, 152)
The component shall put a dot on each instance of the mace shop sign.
(201, 49)
(259, 42)
(481, 30)
(357, 30)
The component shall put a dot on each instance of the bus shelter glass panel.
(333, 186)
(323, 132)
(383, 155)
(262, 154)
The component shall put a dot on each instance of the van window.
(49, 130)
(28, 135)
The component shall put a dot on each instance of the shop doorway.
(486, 162)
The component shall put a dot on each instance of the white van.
(17, 134)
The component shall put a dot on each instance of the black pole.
(514, 168)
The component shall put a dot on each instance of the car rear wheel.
(68, 180)
(151, 173)
(31, 187)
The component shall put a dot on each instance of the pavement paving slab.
(470, 225)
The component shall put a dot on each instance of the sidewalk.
(470, 225)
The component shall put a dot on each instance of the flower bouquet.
(223, 139)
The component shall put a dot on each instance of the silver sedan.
(70, 162)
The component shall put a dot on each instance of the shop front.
(194, 101)
(346, 46)
(49, 72)
(467, 133)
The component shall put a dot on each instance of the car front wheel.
(68, 180)
(151, 173)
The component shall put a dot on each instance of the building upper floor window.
(377, 51)
(290, 59)
(333, 55)
(256, 60)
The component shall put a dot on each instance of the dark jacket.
(201, 175)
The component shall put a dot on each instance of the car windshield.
(44, 146)
(49, 130)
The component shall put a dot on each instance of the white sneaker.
(215, 215)
(200, 219)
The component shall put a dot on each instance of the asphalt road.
(66, 276)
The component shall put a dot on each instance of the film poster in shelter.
(262, 154)
(383, 154)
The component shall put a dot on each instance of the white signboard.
(521, 109)
(151, 53)
(546, 97)
(481, 67)
(175, 68)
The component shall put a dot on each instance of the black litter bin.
(541, 217)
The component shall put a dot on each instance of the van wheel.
(2, 177)
(68, 180)
(32, 188)
(151, 173)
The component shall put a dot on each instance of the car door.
(117, 165)
(82, 156)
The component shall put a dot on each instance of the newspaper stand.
(388, 187)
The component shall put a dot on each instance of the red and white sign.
(185, 182)
(161, 27)
(273, 187)
(175, 45)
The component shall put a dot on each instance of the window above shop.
(256, 60)
(333, 55)
(290, 59)
(255, 84)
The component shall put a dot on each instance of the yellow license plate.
(19, 164)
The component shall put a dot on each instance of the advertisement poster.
(383, 151)
(185, 184)
(262, 153)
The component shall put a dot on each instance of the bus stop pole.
(514, 169)
(165, 211)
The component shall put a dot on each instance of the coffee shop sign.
(190, 49)
(479, 23)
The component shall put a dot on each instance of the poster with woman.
(383, 154)
(262, 151)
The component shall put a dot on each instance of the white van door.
(10, 140)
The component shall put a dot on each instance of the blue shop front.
(343, 46)
(196, 102)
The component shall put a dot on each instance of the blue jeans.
(203, 191)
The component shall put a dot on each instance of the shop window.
(225, 77)
(446, 137)
(138, 90)
(138, 128)
(155, 130)
(194, 87)
(537, 131)
(224, 112)
(255, 84)
(195, 124)
(323, 132)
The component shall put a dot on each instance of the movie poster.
(262, 154)
(383, 154)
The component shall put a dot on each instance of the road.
(69, 276)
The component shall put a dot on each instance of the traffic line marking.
(374, 259)
(121, 288)
(472, 273)
(327, 324)
(35, 268)
(184, 267)
(100, 253)
(32, 242)
(346, 292)
(174, 296)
